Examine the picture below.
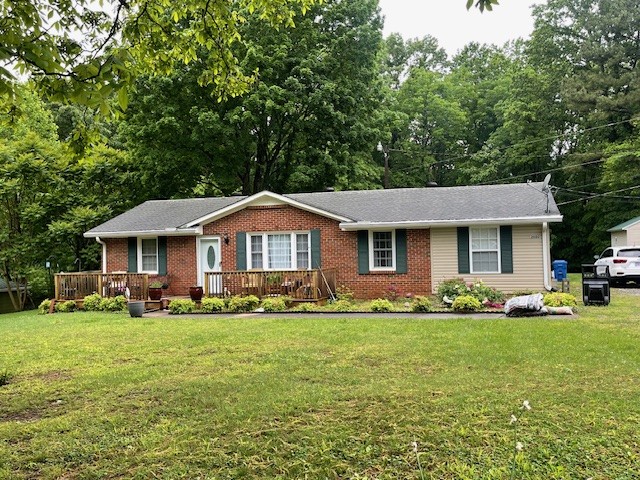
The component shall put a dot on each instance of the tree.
(30, 162)
(83, 50)
(296, 129)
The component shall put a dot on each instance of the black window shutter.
(463, 250)
(132, 246)
(162, 255)
(241, 251)
(401, 251)
(315, 249)
(506, 248)
(363, 252)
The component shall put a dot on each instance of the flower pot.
(195, 293)
(155, 293)
(136, 309)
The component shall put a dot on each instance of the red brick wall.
(338, 250)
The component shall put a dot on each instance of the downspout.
(546, 272)
(104, 254)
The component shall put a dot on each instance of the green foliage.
(466, 303)
(156, 284)
(343, 292)
(559, 299)
(381, 305)
(421, 304)
(113, 304)
(243, 304)
(274, 304)
(92, 303)
(44, 306)
(39, 282)
(341, 306)
(180, 306)
(212, 305)
(305, 307)
(454, 287)
(65, 307)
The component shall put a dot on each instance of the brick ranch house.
(406, 239)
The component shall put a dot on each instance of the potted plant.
(196, 293)
(274, 280)
(155, 290)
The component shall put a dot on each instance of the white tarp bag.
(525, 305)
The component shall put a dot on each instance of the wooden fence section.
(297, 284)
(76, 286)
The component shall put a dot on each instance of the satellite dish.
(545, 183)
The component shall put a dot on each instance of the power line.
(605, 194)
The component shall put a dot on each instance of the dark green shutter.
(401, 251)
(363, 251)
(315, 249)
(506, 249)
(162, 255)
(241, 251)
(463, 250)
(132, 245)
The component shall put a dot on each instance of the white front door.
(210, 261)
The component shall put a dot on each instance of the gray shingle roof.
(511, 201)
(435, 204)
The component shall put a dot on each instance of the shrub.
(113, 304)
(65, 307)
(179, 306)
(243, 304)
(274, 304)
(466, 303)
(39, 282)
(92, 302)
(455, 287)
(484, 292)
(452, 288)
(44, 307)
(210, 305)
(381, 305)
(344, 293)
(392, 293)
(558, 299)
(305, 307)
(341, 306)
(421, 304)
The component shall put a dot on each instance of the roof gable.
(625, 225)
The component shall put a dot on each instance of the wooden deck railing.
(76, 286)
(298, 284)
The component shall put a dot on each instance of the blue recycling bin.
(559, 269)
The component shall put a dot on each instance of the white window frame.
(372, 267)
(265, 249)
(497, 249)
(140, 269)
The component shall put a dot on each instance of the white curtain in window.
(279, 248)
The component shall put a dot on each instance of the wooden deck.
(299, 285)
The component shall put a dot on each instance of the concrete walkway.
(400, 315)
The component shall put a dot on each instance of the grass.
(97, 395)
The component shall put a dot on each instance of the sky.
(454, 26)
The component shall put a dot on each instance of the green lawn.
(107, 396)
